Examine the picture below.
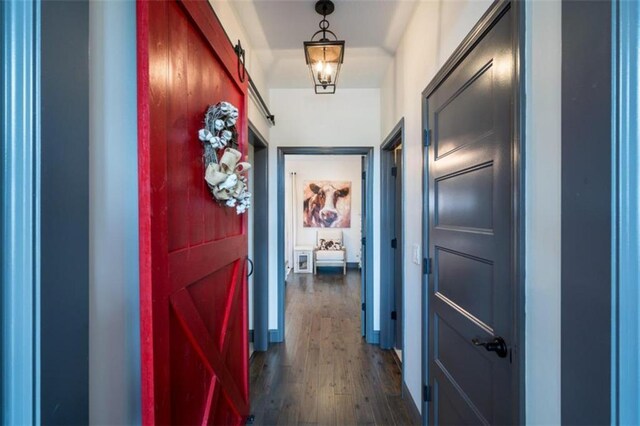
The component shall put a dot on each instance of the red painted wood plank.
(193, 264)
(179, 140)
(206, 347)
(198, 54)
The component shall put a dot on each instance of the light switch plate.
(416, 254)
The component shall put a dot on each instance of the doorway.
(366, 230)
(473, 236)
(392, 237)
(258, 273)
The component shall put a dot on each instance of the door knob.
(497, 345)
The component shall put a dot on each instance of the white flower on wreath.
(205, 135)
(226, 108)
(218, 142)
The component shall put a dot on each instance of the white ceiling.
(371, 29)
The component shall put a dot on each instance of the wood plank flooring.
(325, 373)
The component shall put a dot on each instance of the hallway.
(325, 373)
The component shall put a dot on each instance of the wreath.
(225, 174)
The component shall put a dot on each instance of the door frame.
(387, 289)
(278, 334)
(626, 233)
(20, 205)
(493, 13)
(260, 192)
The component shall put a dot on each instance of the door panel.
(363, 247)
(398, 252)
(192, 251)
(471, 210)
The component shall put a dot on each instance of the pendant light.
(324, 56)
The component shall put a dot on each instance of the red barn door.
(192, 251)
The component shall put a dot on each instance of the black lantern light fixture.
(324, 56)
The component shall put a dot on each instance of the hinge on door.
(394, 171)
(364, 306)
(394, 315)
(394, 243)
(364, 175)
(426, 265)
(427, 137)
(426, 393)
(363, 241)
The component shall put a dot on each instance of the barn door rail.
(243, 74)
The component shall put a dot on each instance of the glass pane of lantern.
(326, 53)
(324, 60)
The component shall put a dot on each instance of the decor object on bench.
(225, 173)
(330, 250)
(303, 259)
(327, 204)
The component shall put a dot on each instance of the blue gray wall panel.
(65, 212)
(586, 212)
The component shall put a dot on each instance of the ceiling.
(372, 30)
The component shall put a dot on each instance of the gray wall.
(114, 342)
(64, 212)
(586, 212)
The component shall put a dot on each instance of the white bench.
(330, 257)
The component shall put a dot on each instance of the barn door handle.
(251, 264)
(242, 69)
(497, 345)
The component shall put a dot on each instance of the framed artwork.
(327, 204)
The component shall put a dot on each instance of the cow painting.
(327, 204)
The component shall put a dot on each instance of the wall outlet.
(417, 259)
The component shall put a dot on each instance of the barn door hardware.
(243, 74)
(242, 70)
(251, 270)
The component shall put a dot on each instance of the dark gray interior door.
(397, 255)
(471, 229)
(260, 265)
(363, 246)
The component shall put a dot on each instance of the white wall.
(543, 203)
(335, 168)
(347, 118)
(114, 332)
(434, 32)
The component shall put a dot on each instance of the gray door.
(471, 211)
(397, 244)
(363, 247)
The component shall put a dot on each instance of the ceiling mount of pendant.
(325, 7)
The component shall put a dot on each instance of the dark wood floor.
(324, 373)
